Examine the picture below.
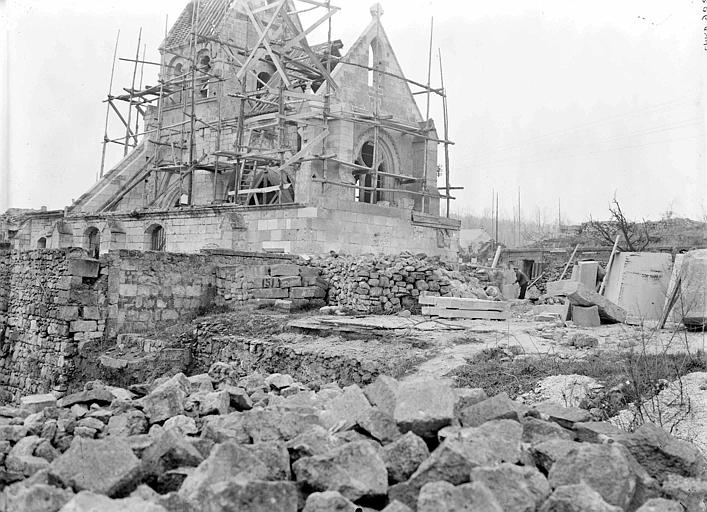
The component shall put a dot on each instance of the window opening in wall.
(372, 54)
(157, 239)
(42, 243)
(366, 180)
(93, 242)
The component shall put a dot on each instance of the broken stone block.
(577, 498)
(356, 470)
(343, 411)
(403, 456)
(586, 316)
(436, 496)
(466, 397)
(239, 398)
(37, 403)
(91, 502)
(515, 488)
(182, 424)
(106, 466)
(660, 453)
(580, 295)
(230, 461)
(316, 440)
(327, 501)
(99, 395)
(12, 433)
(201, 382)
(167, 399)
(495, 408)
(660, 505)
(229, 427)
(690, 492)
(379, 425)
(169, 451)
(536, 430)
(278, 381)
(21, 458)
(547, 452)
(603, 467)
(595, 431)
(424, 406)
(382, 393)
(396, 506)
(274, 424)
(130, 423)
(216, 402)
(502, 437)
(253, 496)
(457, 455)
(563, 416)
(38, 497)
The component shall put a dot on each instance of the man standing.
(522, 281)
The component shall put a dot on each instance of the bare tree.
(635, 235)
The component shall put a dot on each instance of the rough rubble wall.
(55, 303)
(383, 284)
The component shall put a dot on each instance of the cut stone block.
(284, 269)
(562, 311)
(586, 316)
(271, 293)
(580, 295)
(464, 313)
(307, 292)
(637, 282)
(587, 273)
(82, 267)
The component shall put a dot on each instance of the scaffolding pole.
(130, 103)
(110, 92)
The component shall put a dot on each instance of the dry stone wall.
(384, 284)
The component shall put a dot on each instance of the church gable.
(363, 87)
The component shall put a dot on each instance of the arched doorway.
(42, 243)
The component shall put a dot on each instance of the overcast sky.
(568, 100)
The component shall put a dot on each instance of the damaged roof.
(208, 19)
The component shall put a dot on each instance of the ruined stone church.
(256, 140)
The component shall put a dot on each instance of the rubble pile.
(388, 284)
(216, 442)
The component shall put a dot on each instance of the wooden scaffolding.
(258, 164)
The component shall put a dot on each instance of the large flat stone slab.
(580, 295)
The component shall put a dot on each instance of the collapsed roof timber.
(255, 139)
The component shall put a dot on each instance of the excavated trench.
(254, 340)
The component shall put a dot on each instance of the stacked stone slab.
(267, 443)
(288, 285)
(385, 284)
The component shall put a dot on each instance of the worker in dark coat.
(522, 281)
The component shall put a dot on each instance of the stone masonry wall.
(384, 284)
(150, 290)
(287, 285)
(55, 302)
